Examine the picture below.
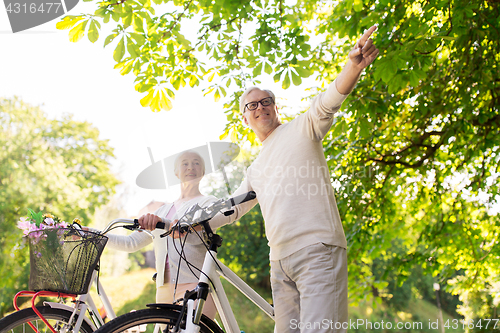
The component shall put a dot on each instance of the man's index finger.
(367, 35)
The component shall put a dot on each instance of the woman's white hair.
(249, 90)
(178, 161)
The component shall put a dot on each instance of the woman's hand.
(149, 221)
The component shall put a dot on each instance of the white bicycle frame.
(214, 270)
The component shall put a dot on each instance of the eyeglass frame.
(246, 105)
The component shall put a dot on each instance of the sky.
(44, 68)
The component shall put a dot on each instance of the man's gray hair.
(249, 90)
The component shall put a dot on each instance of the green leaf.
(193, 80)
(139, 38)
(296, 79)
(176, 83)
(277, 77)
(143, 87)
(268, 69)
(77, 32)
(223, 135)
(115, 16)
(286, 81)
(93, 33)
(35, 216)
(146, 100)
(211, 77)
(358, 5)
(155, 105)
(68, 22)
(166, 104)
(340, 128)
(127, 68)
(138, 24)
(257, 70)
(109, 39)
(389, 70)
(414, 79)
(119, 50)
(170, 93)
(127, 19)
(365, 127)
(303, 72)
(132, 49)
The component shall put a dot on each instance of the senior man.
(292, 182)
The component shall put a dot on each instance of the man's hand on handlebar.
(174, 229)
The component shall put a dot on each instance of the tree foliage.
(414, 154)
(58, 166)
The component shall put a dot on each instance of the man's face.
(264, 118)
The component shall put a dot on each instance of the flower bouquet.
(62, 256)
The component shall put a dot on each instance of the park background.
(413, 153)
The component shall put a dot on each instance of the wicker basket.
(63, 260)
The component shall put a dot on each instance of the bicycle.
(186, 318)
(57, 317)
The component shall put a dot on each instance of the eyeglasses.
(254, 105)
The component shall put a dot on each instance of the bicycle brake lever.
(130, 227)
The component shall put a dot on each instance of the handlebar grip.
(242, 198)
(160, 225)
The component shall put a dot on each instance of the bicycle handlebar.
(131, 224)
(193, 217)
(197, 215)
(242, 198)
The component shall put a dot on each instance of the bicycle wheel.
(17, 322)
(153, 321)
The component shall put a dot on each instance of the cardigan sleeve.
(317, 121)
(128, 243)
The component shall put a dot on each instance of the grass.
(421, 316)
(131, 291)
(250, 318)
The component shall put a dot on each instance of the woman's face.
(190, 168)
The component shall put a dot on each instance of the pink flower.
(24, 225)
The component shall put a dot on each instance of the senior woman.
(174, 277)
